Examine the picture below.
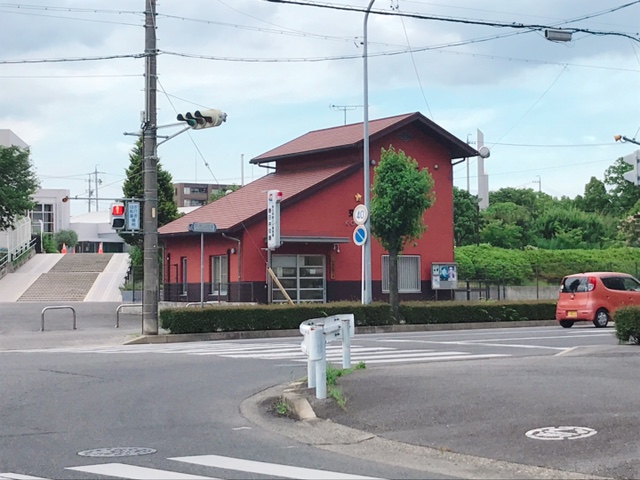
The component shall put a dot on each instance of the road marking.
(19, 476)
(122, 470)
(437, 359)
(263, 468)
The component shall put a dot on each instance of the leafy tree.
(401, 193)
(624, 194)
(596, 199)
(68, 237)
(18, 183)
(525, 197)
(466, 217)
(514, 219)
(572, 229)
(133, 187)
(222, 192)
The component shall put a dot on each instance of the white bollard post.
(311, 358)
(321, 365)
(346, 343)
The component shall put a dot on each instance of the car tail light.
(591, 285)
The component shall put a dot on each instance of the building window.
(187, 190)
(195, 203)
(408, 274)
(198, 190)
(219, 274)
(185, 285)
(42, 213)
(302, 276)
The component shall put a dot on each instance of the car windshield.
(575, 284)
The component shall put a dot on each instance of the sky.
(72, 83)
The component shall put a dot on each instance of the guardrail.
(317, 333)
(57, 308)
(120, 307)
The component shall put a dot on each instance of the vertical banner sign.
(273, 219)
(133, 216)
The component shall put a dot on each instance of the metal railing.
(58, 308)
(120, 307)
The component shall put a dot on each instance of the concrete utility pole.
(97, 183)
(151, 284)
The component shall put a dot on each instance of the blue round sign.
(360, 235)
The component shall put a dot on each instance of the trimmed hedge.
(627, 320)
(286, 317)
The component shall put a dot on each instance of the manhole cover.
(117, 452)
(560, 433)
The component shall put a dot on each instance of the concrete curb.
(245, 335)
(333, 437)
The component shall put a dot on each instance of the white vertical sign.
(273, 218)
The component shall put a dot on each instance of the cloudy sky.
(71, 85)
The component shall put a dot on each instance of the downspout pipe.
(239, 254)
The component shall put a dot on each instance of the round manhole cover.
(560, 433)
(117, 452)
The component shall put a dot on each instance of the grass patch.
(281, 407)
(333, 390)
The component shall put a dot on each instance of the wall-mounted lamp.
(436, 166)
(232, 251)
(336, 247)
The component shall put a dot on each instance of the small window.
(631, 284)
(408, 274)
(613, 283)
(219, 274)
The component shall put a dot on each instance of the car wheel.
(602, 318)
(566, 323)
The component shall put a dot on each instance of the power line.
(485, 23)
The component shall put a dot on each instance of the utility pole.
(539, 182)
(90, 192)
(151, 284)
(97, 182)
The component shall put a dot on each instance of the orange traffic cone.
(64, 248)
(100, 248)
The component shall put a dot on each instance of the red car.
(595, 296)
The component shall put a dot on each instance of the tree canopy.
(18, 183)
(401, 193)
(133, 187)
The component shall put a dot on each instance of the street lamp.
(366, 248)
(623, 139)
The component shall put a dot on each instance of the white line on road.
(122, 470)
(436, 359)
(18, 476)
(263, 468)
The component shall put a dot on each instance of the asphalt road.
(57, 408)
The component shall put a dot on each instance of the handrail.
(120, 308)
(58, 308)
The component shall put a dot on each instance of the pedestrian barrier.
(317, 332)
(120, 307)
(58, 308)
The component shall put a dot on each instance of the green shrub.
(627, 320)
(286, 317)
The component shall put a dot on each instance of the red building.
(321, 179)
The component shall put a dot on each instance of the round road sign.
(360, 235)
(360, 214)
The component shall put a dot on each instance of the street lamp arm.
(623, 139)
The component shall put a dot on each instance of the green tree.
(133, 187)
(515, 219)
(222, 192)
(466, 219)
(68, 237)
(596, 199)
(624, 194)
(525, 197)
(18, 183)
(401, 193)
(572, 228)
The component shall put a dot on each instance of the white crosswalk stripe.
(282, 351)
(213, 462)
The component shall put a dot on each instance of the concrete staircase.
(70, 279)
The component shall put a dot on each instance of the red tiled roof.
(329, 138)
(251, 200)
(352, 136)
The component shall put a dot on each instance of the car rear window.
(575, 284)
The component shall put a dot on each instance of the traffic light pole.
(151, 283)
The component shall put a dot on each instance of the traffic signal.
(203, 118)
(632, 175)
(117, 216)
